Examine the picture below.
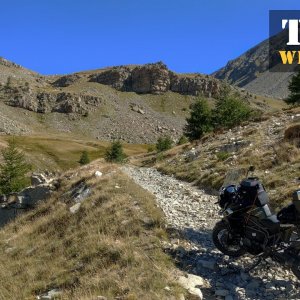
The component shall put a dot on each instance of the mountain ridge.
(251, 70)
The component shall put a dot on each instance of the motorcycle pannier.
(296, 200)
(253, 192)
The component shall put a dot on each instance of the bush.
(84, 159)
(222, 155)
(292, 134)
(183, 140)
(115, 153)
(13, 170)
(230, 111)
(294, 88)
(200, 120)
(150, 148)
(164, 143)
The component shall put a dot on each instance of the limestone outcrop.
(157, 79)
(45, 102)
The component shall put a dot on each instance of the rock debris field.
(192, 214)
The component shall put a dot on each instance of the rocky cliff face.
(157, 79)
(251, 70)
(117, 77)
(74, 93)
(45, 102)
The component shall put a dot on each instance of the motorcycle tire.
(296, 267)
(219, 227)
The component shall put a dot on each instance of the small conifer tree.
(294, 88)
(115, 153)
(13, 170)
(84, 159)
(230, 111)
(199, 121)
(164, 143)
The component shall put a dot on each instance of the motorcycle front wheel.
(226, 241)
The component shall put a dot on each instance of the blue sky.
(64, 36)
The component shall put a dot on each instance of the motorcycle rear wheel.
(296, 271)
(296, 267)
(226, 242)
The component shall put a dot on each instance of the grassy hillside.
(110, 247)
(263, 144)
(60, 153)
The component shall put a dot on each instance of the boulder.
(192, 284)
(191, 155)
(74, 209)
(32, 195)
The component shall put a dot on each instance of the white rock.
(75, 208)
(53, 294)
(192, 284)
(98, 174)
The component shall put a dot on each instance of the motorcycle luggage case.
(296, 200)
(253, 192)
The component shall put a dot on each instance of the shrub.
(164, 143)
(84, 159)
(150, 148)
(222, 155)
(292, 134)
(115, 153)
(294, 88)
(230, 111)
(200, 120)
(183, 140)
(13, 170)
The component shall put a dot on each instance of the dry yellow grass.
(277, 164)
(62, 152)
(106, 248)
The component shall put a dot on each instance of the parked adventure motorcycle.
(249, 226)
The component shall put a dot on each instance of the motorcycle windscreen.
(234, 176)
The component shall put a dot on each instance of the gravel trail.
(193, 214)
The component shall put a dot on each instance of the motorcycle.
(249, 226)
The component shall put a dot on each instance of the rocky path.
(192, 213)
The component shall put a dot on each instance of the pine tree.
(13, 170)
(84, 159)
(230, 111)
(115, 153)
(164, 143)
(199, 121)
(294, 88)
(8, 82)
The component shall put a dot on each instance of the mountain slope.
(251, 70)
(134, 103)
(109, 247)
